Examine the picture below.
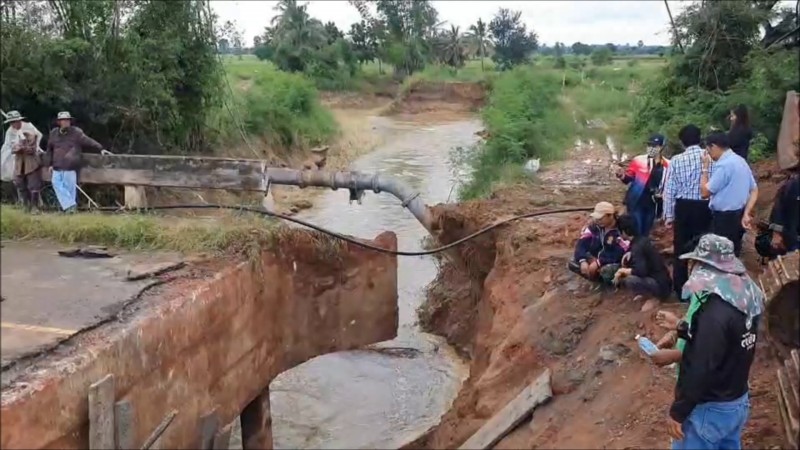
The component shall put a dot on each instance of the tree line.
(140, 76)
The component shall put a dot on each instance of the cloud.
(593, 22)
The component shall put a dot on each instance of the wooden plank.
(512, 414)
(789, 402)
(123, 418)
(222, 441)
(790, 432)
(101, 414)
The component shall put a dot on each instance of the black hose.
(348, 238)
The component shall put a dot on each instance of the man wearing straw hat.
(65, 148)
(21, 159)
(716, 343)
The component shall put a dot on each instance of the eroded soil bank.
(519, 311)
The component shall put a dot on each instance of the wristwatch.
(683, 329)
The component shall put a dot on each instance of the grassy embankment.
(537, 111)
(141, 232)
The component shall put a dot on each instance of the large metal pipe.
(356, 182)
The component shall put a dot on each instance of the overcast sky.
(591, 22)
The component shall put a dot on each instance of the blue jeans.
(65, 183)
(715, 426)
(645, 217)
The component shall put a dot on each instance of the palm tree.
(453, 47)
(480, 37)
(295, 35)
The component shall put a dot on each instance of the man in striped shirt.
(685, 210)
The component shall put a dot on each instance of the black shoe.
(574, 267)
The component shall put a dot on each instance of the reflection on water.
(389, 395)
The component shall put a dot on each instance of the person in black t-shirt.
(740, 134)
(645, 272)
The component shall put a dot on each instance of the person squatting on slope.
(23, 139)
(732, 190)
(644, 177)
(715, 346)
(644, 271)
(65, 149)
(600, 248)
(684, 209)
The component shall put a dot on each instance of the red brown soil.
(423, 97)
(519, 311)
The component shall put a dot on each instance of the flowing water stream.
(388, 395)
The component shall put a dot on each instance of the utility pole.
(674, 29)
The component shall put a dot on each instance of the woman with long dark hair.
(740, 133)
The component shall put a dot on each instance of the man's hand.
(777, 241)
(667, 341)
(674, 429)
(594, 268)
(747, 222)
(585, 268)
(626, 258)
(665, 357)
(667, 320)
(706, 160)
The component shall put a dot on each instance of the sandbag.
(789, 135)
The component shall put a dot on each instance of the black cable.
(348, 238)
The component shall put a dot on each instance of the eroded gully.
(388, 395)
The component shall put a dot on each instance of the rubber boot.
(23, 199)
(36, 202)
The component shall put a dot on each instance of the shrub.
(524, 120)
(284, 108)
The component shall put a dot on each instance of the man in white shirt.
(21, 159)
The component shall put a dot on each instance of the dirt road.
(520, 311)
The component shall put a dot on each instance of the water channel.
(389, 397)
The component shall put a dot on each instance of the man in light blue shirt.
(732, 190)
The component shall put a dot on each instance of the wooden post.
(101, 414)
(257, 423)
(123, 415)
(135, 197)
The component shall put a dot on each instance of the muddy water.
(388, 395)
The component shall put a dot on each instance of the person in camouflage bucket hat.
(720, 272)
(716, 344)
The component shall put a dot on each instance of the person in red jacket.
(644, 177)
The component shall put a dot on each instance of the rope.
(356, 241)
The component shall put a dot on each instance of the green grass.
(532, 112)
(141, 232)
(279, 108)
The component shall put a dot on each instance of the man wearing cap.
(65, 148)
(732, 190)
(22, 139)
(685, 210)
(643, 177)
(600, 248)
(716, 344)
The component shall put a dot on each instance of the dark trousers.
(729, 224)
(692, 220)
(645, 286)
(645, 216)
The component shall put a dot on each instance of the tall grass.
(524, 119)
(281, 108)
